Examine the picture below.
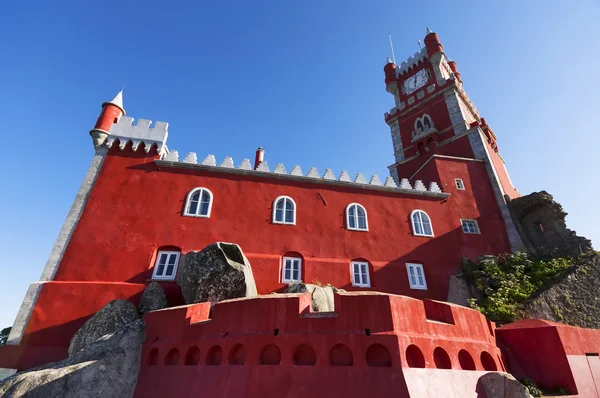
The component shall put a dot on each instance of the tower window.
(470, 226)
(198, 203)
(284, 210)
(360, 273)
(291, 269)
(421, 223)
(165, 267)
(416, 276)
(459, 184)
(356, 217)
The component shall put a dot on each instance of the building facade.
(141, 206)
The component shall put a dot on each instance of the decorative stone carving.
(172, 156)
(405, 184)
(280, 169)
(375, 180)
(263, 166)
(296, 171)
(419, 186)
(344, 176)
(228, 163)
(360, 179)
(218, 272)
(125, 131)
(209, 160)
(191, 158)
(313, 173)
(245, 165)
(329, 175)
(389, 182)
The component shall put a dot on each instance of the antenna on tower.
(419, 41)
(392, 47)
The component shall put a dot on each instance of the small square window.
(459, 184)
(291, 270)
(470, 226)
(359, 271)
(416, 276)
(165, 267)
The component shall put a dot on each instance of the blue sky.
(303, 79)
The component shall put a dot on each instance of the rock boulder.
(218, 272)
(502, 385)
(154, 298)
(108, 367)
(112, 317)
(322, 296)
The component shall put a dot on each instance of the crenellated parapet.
(124, 131)
(296, 171)
(366, 329)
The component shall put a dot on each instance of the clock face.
(416, 81)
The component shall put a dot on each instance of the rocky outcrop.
(153, 298)
(541, 224)
(112, 317)
(322, 296)
(218, 272)
(573, 299)
(108, 367)
(502, 385)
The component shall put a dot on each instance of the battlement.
(172, 159)
(125, 131)
(411, 62)
(370, 329)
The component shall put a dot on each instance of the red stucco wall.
(135, 208)
(360, 323)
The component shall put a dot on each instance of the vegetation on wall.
(504, 282)
(4, 335)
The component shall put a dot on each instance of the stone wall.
(573, 299)
(541, 224)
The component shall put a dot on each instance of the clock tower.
(435, 127)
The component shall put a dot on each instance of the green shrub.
(505, 282)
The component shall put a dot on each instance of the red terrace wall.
(60, 310)
(135, 208)
(563, 356)
(359, 350)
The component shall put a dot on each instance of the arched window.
(356, 217)
(421, 224)
(426, 122)
(198, 203)
(284, 210)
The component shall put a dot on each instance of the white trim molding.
(292, 260)
(188, 203)
(416, 276)
(362, 265)
(422, 223)
(164, 276)
(356, 218)
(285, 202)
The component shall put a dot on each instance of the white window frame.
(459, 184)
(416, 267)
(273, 216)
(357, 228)
(164, 277)
(283, 265)
(412, 222)
(362, 283)
(475, 224)
(188, 203)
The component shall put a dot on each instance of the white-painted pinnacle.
(313, 172)
(245, 165)
(117, 101)
(419, 186)
(191, 158)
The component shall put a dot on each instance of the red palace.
(396, 240)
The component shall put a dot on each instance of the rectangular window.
(360, 274)
(470, 226)
(416, 276)
(459, 184)
(166, 265)
(292, 269)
